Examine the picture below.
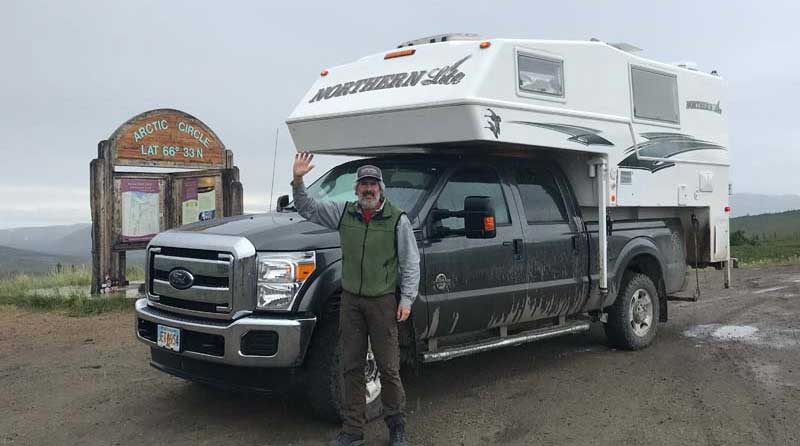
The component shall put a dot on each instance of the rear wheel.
(323, 377)
(632, 320)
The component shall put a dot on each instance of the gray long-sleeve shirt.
(329, 213)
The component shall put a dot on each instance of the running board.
(517, 339)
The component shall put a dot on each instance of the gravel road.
(723, 371)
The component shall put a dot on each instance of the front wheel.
(632, 320)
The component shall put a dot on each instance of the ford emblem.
(181, 279)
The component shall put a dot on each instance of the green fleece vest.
(369, 250)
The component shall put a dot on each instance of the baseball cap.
(368, 171)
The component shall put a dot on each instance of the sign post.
(130, 208)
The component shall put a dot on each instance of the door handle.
(507, 243)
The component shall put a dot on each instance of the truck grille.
(211, 289)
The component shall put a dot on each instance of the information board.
(199, 198)
(140, 209)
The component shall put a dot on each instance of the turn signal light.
(488, 223)
(323, 73)
(304, 270)
(400, 53)
(485, 45)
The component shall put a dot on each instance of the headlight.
(280, 275)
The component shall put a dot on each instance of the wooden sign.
(166, 138)
(130, 208)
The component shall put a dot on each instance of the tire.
(323, 380)
(633, 319)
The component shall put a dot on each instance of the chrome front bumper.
(293, 336)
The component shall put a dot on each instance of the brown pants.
(375, 317)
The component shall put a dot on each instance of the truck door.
(471, 284)
(556, 249)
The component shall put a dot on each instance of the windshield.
(405, 184)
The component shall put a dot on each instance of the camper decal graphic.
(700, 105)
(663, 145)
(582, 135)
(446, 75)
(494, 122)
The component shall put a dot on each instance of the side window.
(467, 182)
(540, 196)
(655, 95)
(540, 75)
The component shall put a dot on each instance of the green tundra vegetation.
(766, 238)
(66, 292)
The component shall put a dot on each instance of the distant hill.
(14, 261)
(755, 204)
(781, 225)
(73, 242)
(66, 240)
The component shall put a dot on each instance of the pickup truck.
(250, 302)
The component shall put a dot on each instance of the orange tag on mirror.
(488, 223)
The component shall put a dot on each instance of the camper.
(550, 184)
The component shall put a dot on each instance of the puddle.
(768, 290)
(722, 332)
(735, 332)
(769, 337)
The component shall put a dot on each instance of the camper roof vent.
(688, 65)
(627, 47)
(440, 38)
(622, 46)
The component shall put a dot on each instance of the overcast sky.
(73, 71)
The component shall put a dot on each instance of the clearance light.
(613, 198)
(488, 223)
(727, 208)
(401, 53)
(485, 45)
(323, 73)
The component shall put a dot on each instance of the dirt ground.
(723, 371)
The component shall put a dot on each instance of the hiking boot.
(348, 439)
(397, 435)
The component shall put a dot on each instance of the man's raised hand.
(302, 165)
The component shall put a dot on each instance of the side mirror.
(283, 201)
(479, 217)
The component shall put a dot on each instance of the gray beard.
(368, 203)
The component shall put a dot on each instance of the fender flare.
(325, 285)
(640, 246)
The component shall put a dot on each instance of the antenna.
(274, 157)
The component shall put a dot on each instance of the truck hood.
(274, 231)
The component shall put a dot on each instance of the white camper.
(659, 129)
(548, 184)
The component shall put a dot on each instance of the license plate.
(169, 338)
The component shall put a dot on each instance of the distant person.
(379, 253)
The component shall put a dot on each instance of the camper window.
(655, 95)
(540, 75)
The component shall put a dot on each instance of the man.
(379, 253)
